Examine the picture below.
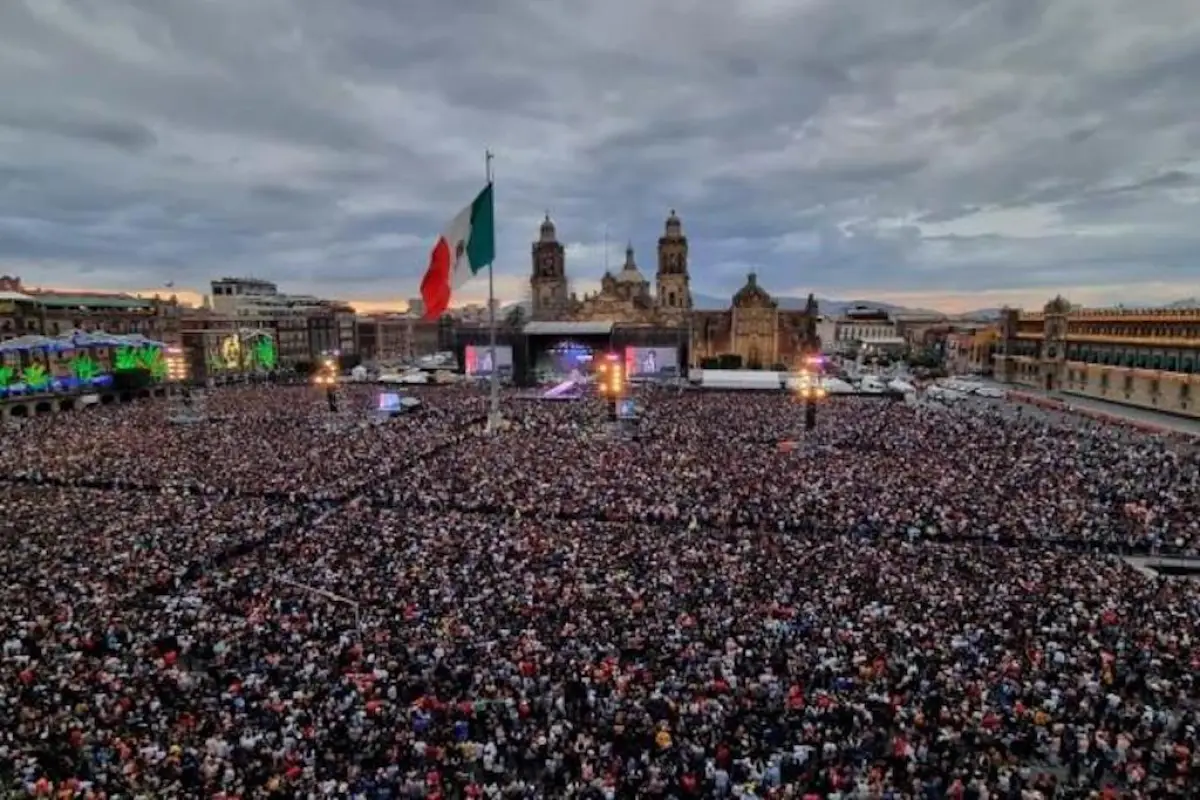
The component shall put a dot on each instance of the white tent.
(836, 386)
(746, 379)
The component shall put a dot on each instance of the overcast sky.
(930, 152)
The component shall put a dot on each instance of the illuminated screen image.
(479, 360)
(389, 402)
(627, 408)
(651, 362)
(565, 358)
(237, 352)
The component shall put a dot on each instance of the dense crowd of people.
(870, 467)
(885, 609)
(263, 440)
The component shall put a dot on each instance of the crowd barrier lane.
(1040, 401)
(1107, 417)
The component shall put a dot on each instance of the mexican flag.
(461, 252)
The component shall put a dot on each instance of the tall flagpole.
(493, 423)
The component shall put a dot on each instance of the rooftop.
(568, 328)
(55, 300)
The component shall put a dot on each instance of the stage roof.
(568, 328)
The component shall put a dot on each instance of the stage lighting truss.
(808, 386)
(611, 376)
(327, 373)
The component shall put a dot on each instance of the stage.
(544, 353)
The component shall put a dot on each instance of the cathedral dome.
(548, 233)
(752, 295)
(673, 227)
(629, 272)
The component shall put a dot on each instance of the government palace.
(752, 327)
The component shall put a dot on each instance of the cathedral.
(753, 328)
(624, 297)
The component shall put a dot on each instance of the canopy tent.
(76, 340)
(32, 342)
(137, 340)
(743, 379)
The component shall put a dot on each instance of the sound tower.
(331, 396)
(810, 414)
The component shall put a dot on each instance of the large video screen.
(479, 360)
(564, 359)
(651, 362)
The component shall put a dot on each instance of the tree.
(925, 357)
(514, 318)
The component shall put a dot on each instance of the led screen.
(651, 362)
(479, 360)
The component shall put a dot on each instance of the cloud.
(915, 149)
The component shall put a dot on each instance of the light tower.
(613, 383)
(809, 389)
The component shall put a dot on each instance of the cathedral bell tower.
(672, 284)
(548, 280)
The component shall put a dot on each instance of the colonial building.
(307, 327)
(865, 327)
(393, 337)
(1147, 357)
(26, 311)
(756, 330)
(970, 349)
(752, 328)
(623, 298)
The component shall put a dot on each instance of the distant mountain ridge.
(825, 305)
(994, 313)
(705, 302)
(833, 308)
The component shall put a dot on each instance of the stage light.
(611, 375)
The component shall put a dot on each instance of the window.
(1128, 384)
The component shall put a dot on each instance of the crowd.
(263, 440)
(882, 611)
(870, 467)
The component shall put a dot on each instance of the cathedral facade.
(752, 327)
(625, 297)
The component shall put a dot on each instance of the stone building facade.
(1146, 357)
(752, 327)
